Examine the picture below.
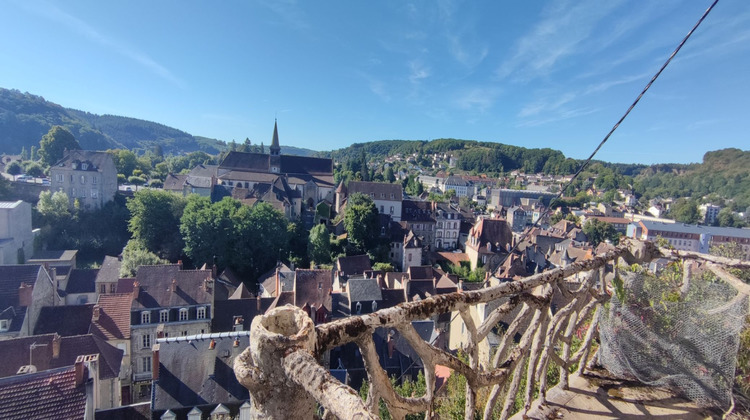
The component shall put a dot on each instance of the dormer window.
(359, 308)
(164, 315)
(374, 306)
(183, 314)
(201, 313)
(85, 166)
(4, 325)
(145, 317)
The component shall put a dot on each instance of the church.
(295, 185)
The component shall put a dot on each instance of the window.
(60, 178)
(359, 308)
(73, 192)
(145, 317)
(146, 364)
(83, 193)
(146, 341)
(94, 193)
(183, 314)
(83, 179)
(201, 313)
(391, 209)
(409, 257)
(4, 325)
(381, 210)
(94, 180)
(164, 315)
(374, 306)
(102, 289)
(113, 288)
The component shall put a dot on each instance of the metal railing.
(281, 369)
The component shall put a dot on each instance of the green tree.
(53, 144)
(14, 168)
(685, 211)
(34, 155)
(598, 231)
(361, 223)
(54, 206)
(135, 255)
(136, 180)
(125, 161)
(727, 218)
(319, 245)
(384, 267)
(34, 169)
(155, 221)
(388, 175)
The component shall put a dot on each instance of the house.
(16, 236)
(110, 321)
(419, 217)
(167, 302)
(86, 176)
(312, 293)
(412, 251)
(516, 216)
(387, 197)
(24, 291)
(107, 276)
(353, 265)
(193, 376)
(277, 193)
(80, 287)
(64, 320)
(447, 226)
(273, 282)
(175, 183)
(488, 239)
(50, 351)
(462, 187)
(686, 237)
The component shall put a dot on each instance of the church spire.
(275, 148)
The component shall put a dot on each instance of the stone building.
(86, 176)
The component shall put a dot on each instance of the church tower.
(275, 150)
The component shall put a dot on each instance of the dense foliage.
(53, 145)
(155, 222)
(361, 223)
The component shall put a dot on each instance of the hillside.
(25, 118)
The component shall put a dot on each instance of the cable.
(587, 161)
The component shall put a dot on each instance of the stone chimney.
(80, 371)
(173, 286)
(24, 294)
(95, 315)
(136, 289)
(179, 263)
(155, 362)
(56, 346)
(278, 283)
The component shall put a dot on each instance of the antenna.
(32, 347)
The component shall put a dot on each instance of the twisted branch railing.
(285, 380)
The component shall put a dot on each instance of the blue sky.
(529, 73)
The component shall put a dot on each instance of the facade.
(447, 226)
(516, 218)
(488, 237)
(24, 290)
(167, 302)
(696, 238)
(710, 213)
(86, 176)
(16, 237)
(418, 217)
(387, 197)
(110, 321)
(459, 185)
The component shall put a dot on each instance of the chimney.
(80, 374)
(179, 263)
(24, 294)
(155, 362)
(212, 344)
(173, 286)
(258, 303)
(56, 346)
(391, 345)
(136, 289)
(95, 316)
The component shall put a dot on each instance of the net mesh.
(685, 341)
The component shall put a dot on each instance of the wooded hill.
(25, 118)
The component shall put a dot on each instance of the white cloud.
(418, 71)
(477, 98)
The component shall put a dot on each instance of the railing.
(285, 380)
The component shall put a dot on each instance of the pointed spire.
(275, 148)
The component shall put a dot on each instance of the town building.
(86, 176)
(387, 197)
(696, 238)
(24, 291)
(16, 236)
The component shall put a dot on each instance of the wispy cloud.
(478, 99)
(560, 116)
(602, 86)
(288, 12)
(468, 56)
(697, 125)
(418, 71)
(74, 24)
(375, 85)
(561, 33)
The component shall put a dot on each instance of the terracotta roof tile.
(114, 317)
(44, 395)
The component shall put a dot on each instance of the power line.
(609, 134)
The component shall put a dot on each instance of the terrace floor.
(597, 395)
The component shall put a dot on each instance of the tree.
(361, 222)
(136, 180)
(319, 245)
(34, 155)
(125, 161)
(727, 218)
(685, 211)
(388, 175)
(53, 144)
(384, 267)
(54, 206)
(14, 168)
(135, 255)
(34, 169)
(598, 231)
(155, 221)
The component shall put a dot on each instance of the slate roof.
(291, 164)
(43, 395)
(313, 287)
(140, 411)
(156, 280)
(110, 270)
(82, 281)
(421, 288)
(422, 272)
(190, 374)
(378, 190)
(114, 317)
(226, 310)
(392, 297)
(64, 320)
(15, 353)
(174, 182)
(355, 264)
(364, 290)
(48, 255)
(11, 277)
(257, 162)
(96, 159)
(286, 279)
(493, 231)
(416, 211)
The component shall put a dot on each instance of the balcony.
(596, 326)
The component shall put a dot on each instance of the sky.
(555, 74)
